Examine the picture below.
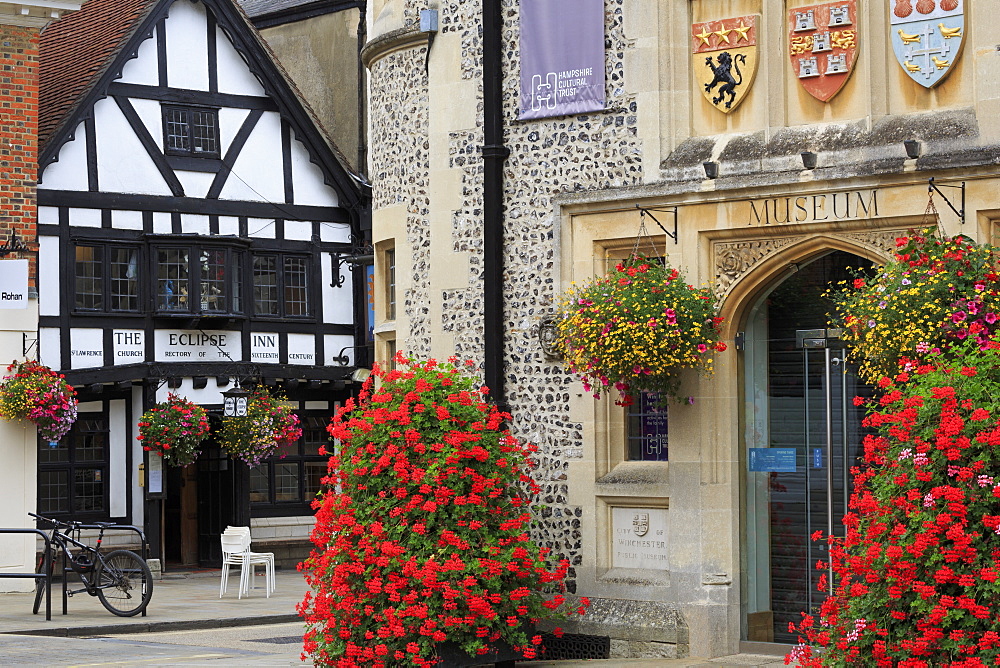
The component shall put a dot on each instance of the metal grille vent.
(575, 646)
(279, 640)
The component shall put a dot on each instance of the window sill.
(192, 163)
(635, 479)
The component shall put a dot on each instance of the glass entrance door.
(803, 434)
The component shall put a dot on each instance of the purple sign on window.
(654, 427)
(562, 57)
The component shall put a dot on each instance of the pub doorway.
(802, 434)
(204, 498)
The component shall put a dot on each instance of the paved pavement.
(190, 601)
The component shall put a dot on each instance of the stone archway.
(746, 266)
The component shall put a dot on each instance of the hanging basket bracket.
(648, 211)
(936, 188)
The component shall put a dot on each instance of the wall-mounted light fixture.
(342, 358)
(912, 147)
(711, 169)
(808, 159)
(235, 402)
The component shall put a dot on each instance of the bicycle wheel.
(39, 584)
(124, 583)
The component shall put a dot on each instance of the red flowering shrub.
(421, 534)
(918, 574)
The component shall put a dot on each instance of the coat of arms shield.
(823, 45)
(640, 524)
(725, 59)
(927, 37)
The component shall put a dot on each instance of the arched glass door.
(802, 435)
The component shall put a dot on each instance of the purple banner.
(562, 57)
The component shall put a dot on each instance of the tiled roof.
(76, 50)
(255, 8)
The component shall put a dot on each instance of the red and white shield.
(823, 46)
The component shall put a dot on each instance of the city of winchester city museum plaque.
(639, 538)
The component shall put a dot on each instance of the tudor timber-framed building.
(768, 227)
(192, 217)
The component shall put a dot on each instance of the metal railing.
(47, 574)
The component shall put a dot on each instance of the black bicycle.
(120, 579)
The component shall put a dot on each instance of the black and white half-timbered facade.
(191, 218)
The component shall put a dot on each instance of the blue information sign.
(817, 458)
(781, 460)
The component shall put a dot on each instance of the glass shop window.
(287, 482)
(199, 280)
(647, 429)
(106, 278)
(281, 286)
(72, 473)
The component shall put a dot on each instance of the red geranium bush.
(421, 535)
(917, 578)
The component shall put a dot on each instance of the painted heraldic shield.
(725, 59)
(927, 37)
(823, 45)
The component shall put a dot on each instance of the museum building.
(193, 220)
(766, 146)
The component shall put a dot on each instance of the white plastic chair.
(266, 558)
(257, 557)
(236, 552)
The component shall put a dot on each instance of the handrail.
(46, 564)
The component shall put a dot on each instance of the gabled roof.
(76, 50)
(83, 52)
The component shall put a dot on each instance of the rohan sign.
(814, 208)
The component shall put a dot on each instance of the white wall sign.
(264, 347)
(129, 345)
(13, 284)
(182, 345)
(86, 348)
(301, 349)
(639, 538)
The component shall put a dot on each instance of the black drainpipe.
(494, 155)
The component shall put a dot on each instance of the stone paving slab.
(188, 600)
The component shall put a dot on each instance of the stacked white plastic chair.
(236, 552)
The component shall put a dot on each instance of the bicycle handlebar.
(59, 524)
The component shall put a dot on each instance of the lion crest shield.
(725, 59)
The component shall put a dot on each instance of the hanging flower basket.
(267, 426)
(174, 428)
(636, 328)
(936, 293)
(34, 392)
